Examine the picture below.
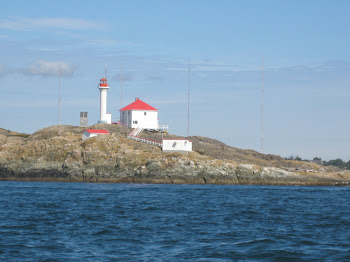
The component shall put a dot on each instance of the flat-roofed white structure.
(84, 119)
(88, 133)
(139, 115)
(176, 145)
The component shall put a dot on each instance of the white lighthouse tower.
(104, 116)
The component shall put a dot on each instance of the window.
(145, 113)
(134, 122)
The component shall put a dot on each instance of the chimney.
(137, 99)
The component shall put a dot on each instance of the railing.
(163, 127)
(134, 136)
(136, 131)
(146, 141)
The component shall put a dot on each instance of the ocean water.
(139, 222)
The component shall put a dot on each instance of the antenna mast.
(188, 98)
(121, 85)
(59, 96)
(105, 71)
(262, 106)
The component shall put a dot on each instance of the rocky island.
(58, 153)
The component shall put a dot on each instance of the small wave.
(103, 232)
(254, 241)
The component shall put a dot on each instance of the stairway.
(133, 135)
(137, 131)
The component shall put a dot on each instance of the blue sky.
(304, 45)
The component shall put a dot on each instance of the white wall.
(140, 118)
(87, 135)
(109, 118)
(124, 118)
(144, 119)
(103, 104)
(177, 145)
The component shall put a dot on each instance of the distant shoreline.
(148, 181)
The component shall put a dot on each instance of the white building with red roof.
(139, 115)
(88, 133)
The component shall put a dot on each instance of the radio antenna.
(59, 96)
(262, 106)
(188, 97)
(121, 85)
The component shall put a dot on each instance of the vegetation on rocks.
(58, 153)
(339, 163)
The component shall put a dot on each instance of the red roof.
(97, 131)
(138, 105)
(103, 79)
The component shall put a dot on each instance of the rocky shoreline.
(59, 154)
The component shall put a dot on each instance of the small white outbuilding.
(176, 145)
(88, 133)
(139, 115)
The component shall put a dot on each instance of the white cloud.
(217, 67)
(69, 102)
(178, 101)
(46, 68)
(29, 24)
(212, 67)
(168, 101)
(328, 66)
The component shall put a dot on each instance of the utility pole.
(188, 98)
(121, 85)
(262, 106)
(59, 97)
(59, 102)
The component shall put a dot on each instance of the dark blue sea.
(139, 222)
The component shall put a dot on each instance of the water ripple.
(138, 222)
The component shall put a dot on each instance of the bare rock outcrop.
(58, 153)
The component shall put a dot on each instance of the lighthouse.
(104, 116)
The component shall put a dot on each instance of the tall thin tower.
(121, 85)
(262, 106)
(103, 87)
(59, 96)
(188, 97)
